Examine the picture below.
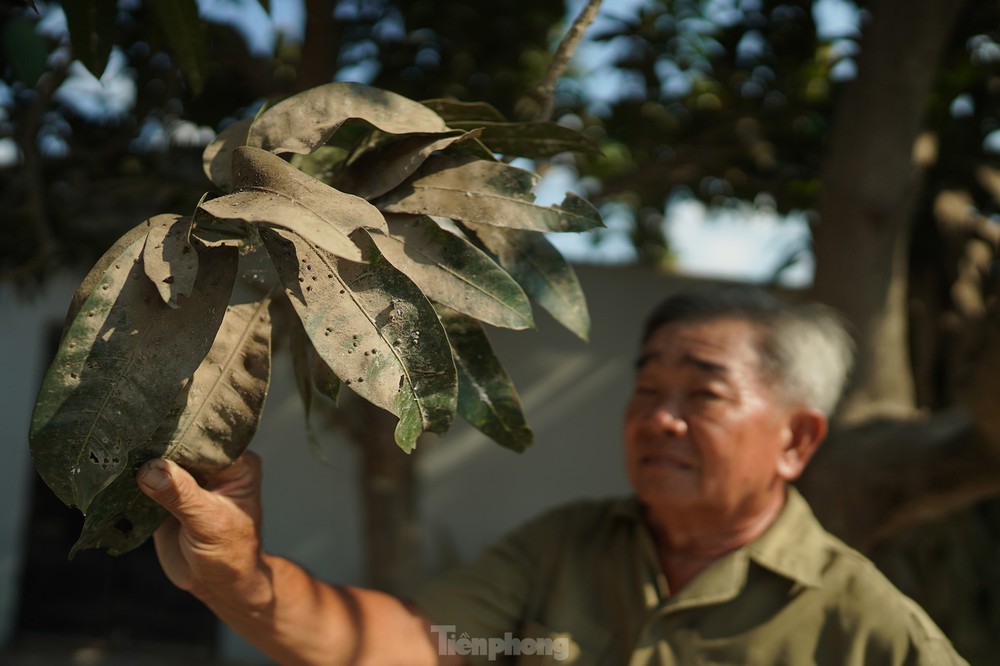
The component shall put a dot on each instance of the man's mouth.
(666, 459)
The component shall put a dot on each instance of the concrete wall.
(24, 328)
(472, 490)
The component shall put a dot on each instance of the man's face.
(704, 430)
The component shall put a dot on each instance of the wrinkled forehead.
(708, 341)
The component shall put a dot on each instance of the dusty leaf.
(304, 122)
(372, 173)
(373, 327)
(271, 191)
(540, 270)
(211, 423)
(487, 398)
(452, 111)
(120, 365)
(96, 273)
(451, 271)
(217, 160)
(168, 257)
(529, 139)
(485, 192)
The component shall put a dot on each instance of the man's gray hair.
(805, 347)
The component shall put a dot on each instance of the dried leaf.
(168, 257)
(540, 270)
(486, 193)
(120, 365)
(373, 328)
(451, 271)
(304, 122)
(529, 139)
(375, 172)
(96, 273)
(212, 422)
(271, 191)
(452, 110)
(487, 398)
(217, 160)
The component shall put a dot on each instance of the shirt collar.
(793, 546)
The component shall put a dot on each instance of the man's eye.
(646, 391)
(706, 394)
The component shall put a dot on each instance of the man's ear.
(806, 429)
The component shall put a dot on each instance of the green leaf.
(271, 191)
(91, 28)
(302, 364)
(25, 49)
(485, 192)
(304, 122)
(373, 328)
(183, 29)
(123, 360)
(211, 423)
(453, 111)
(168, 257)
(451, 271)
(529, 139)
(540, 270)
(487, 398)
(217, 160)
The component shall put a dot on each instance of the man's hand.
(211, 542)
(210, 546)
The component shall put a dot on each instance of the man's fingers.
(173, 488)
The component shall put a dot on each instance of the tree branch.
(545, 93)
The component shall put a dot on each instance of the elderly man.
(715, 560)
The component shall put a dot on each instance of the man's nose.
(668, 416)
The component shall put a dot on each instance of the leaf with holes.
(304, 122)
(271, 191)
(211, 423)
(485, 192)
(168, 257)
(541, 271)
(119, 367)
(487, 398)
(373, 327)
(451, 271)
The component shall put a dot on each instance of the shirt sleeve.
(492, 596)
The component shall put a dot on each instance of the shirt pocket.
(582, 647)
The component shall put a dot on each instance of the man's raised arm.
(211, 548)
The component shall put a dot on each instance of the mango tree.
(392, 229)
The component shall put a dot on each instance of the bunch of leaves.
(392, 229)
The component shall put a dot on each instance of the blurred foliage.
(721, 100)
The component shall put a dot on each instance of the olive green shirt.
(583, 584)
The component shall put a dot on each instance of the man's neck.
(687, 543)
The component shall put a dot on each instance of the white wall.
(472, 490)
(24, 327)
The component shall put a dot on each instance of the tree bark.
(871, 184)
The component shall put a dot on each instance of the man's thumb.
(170, 486)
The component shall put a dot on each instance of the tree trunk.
(392, 535)
(871, 184)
